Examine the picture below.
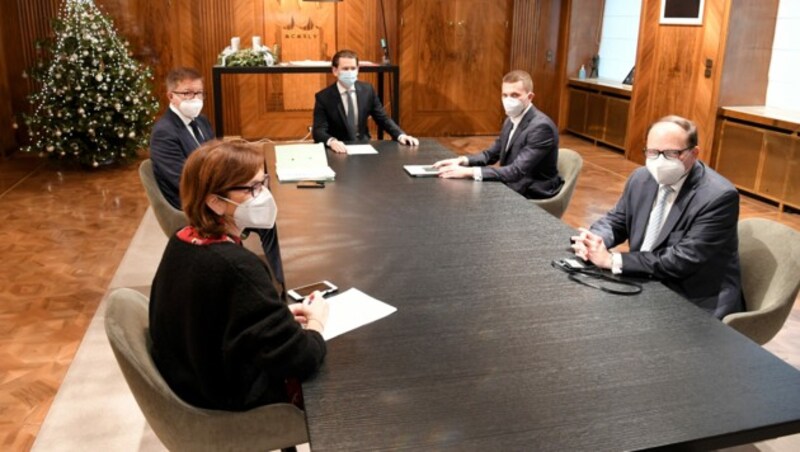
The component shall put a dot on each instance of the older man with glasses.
(179, 132)
(680, 219)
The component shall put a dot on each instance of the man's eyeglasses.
(186, 95)
(255, 189)
(668, 153)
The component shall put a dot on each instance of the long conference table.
(493, 349)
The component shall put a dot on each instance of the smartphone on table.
(300, 293)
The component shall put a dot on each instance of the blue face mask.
(348, 78)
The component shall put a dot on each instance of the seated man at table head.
(680, 218)
(341, 110)
(222, 335)
(527, 148)
(181, 130)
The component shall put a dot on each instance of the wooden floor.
(64, 232)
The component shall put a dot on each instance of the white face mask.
(513, 107)
(191, 108)
(665, 171)
(258, 213)
(348, 78)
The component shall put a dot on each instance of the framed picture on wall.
(682, 12)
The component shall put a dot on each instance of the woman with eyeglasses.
(222, 335)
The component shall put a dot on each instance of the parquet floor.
(64, 232)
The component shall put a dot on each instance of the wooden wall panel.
(453, 57)
(580, 26)
(534, 48)
(8, 140)
(670, 74)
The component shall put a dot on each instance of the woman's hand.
(312, 313)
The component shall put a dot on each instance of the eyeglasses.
(186, 95)
(668, 153)
(255, 189)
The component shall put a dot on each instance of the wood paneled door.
(453, 54)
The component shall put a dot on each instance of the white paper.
(357, 149)
(295, 162)
(421, 170)
(352, 309)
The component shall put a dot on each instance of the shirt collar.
(343, 89)
(516, 119)
(676, 187)
(186, 120)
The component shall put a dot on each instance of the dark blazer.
(170, 146)
(529, 165)
(330, 119)
(697, 251)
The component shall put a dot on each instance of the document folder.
(295, 162)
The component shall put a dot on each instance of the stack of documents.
(294, 162)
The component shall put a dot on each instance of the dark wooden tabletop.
(493, 349)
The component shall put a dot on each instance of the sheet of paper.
(352, 309)
(421, 170)
(303, 161)
(356, 149)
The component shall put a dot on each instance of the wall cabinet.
(759, 154)
(598, 111)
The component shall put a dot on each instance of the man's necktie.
(196, 130)
(656, 218)
(351, 116)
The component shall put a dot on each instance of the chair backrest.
(770, 259)
(177, 424)
(569, 167)
(169, 218)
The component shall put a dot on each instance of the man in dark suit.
(527, 148)
(178, 133)
(680, 218)
(341, 110)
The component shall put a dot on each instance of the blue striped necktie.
(656, 218)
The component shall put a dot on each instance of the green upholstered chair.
(177, 424)
(569, 167)
(169, 218)
(770, 260)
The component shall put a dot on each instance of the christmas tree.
(94, 103)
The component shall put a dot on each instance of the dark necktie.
(351, 116)
(196, 130)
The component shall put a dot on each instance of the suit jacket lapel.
(188, 142)
(523, 123)
(507, 125)
(644, 206)
(681, 202)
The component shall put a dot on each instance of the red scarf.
(190, 235)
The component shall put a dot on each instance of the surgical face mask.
(665, 171)
(513, 107)
(348, 78)
(191, 108)
(259, 212)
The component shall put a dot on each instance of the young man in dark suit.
(527, 148)
(680, 218)
(341, 110)
(181, 130)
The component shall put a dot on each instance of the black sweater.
(222, 336)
